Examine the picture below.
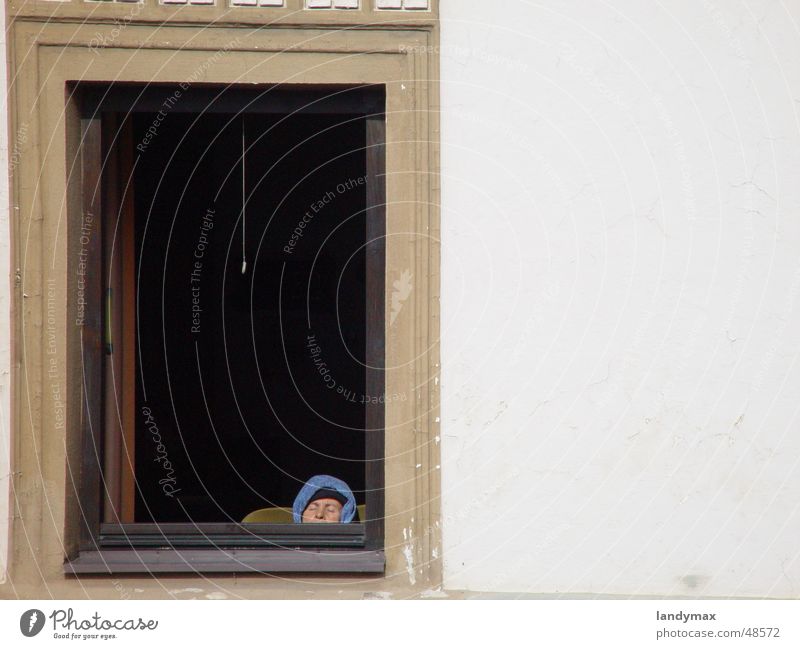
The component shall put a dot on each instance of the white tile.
(271, 3)
(345, 4)
(318, 4)
(389, 4)
(244, 3)
(416, 4)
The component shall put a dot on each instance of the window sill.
(170, 536)
(210, 560)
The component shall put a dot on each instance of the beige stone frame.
(43, 58)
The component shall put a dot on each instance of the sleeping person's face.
(323, 510)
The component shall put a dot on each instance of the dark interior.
(246, 407)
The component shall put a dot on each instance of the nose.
(319, 513)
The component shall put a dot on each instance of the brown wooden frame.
(223, 547)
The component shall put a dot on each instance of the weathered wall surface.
(5, 306)
(621, 297)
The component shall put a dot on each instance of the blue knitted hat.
(324, 482)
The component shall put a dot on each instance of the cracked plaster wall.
(621, 297)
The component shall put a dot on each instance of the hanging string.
(244, 239)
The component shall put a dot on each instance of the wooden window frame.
(222, 547)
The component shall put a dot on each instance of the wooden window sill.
(210, 560)
(231, 535)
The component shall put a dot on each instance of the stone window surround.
(405, 57)
(379, 5)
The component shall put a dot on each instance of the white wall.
(621, 296)
(5, 310)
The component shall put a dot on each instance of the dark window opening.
(232, 343)
(226, 360)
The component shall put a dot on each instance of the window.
(230, 263)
